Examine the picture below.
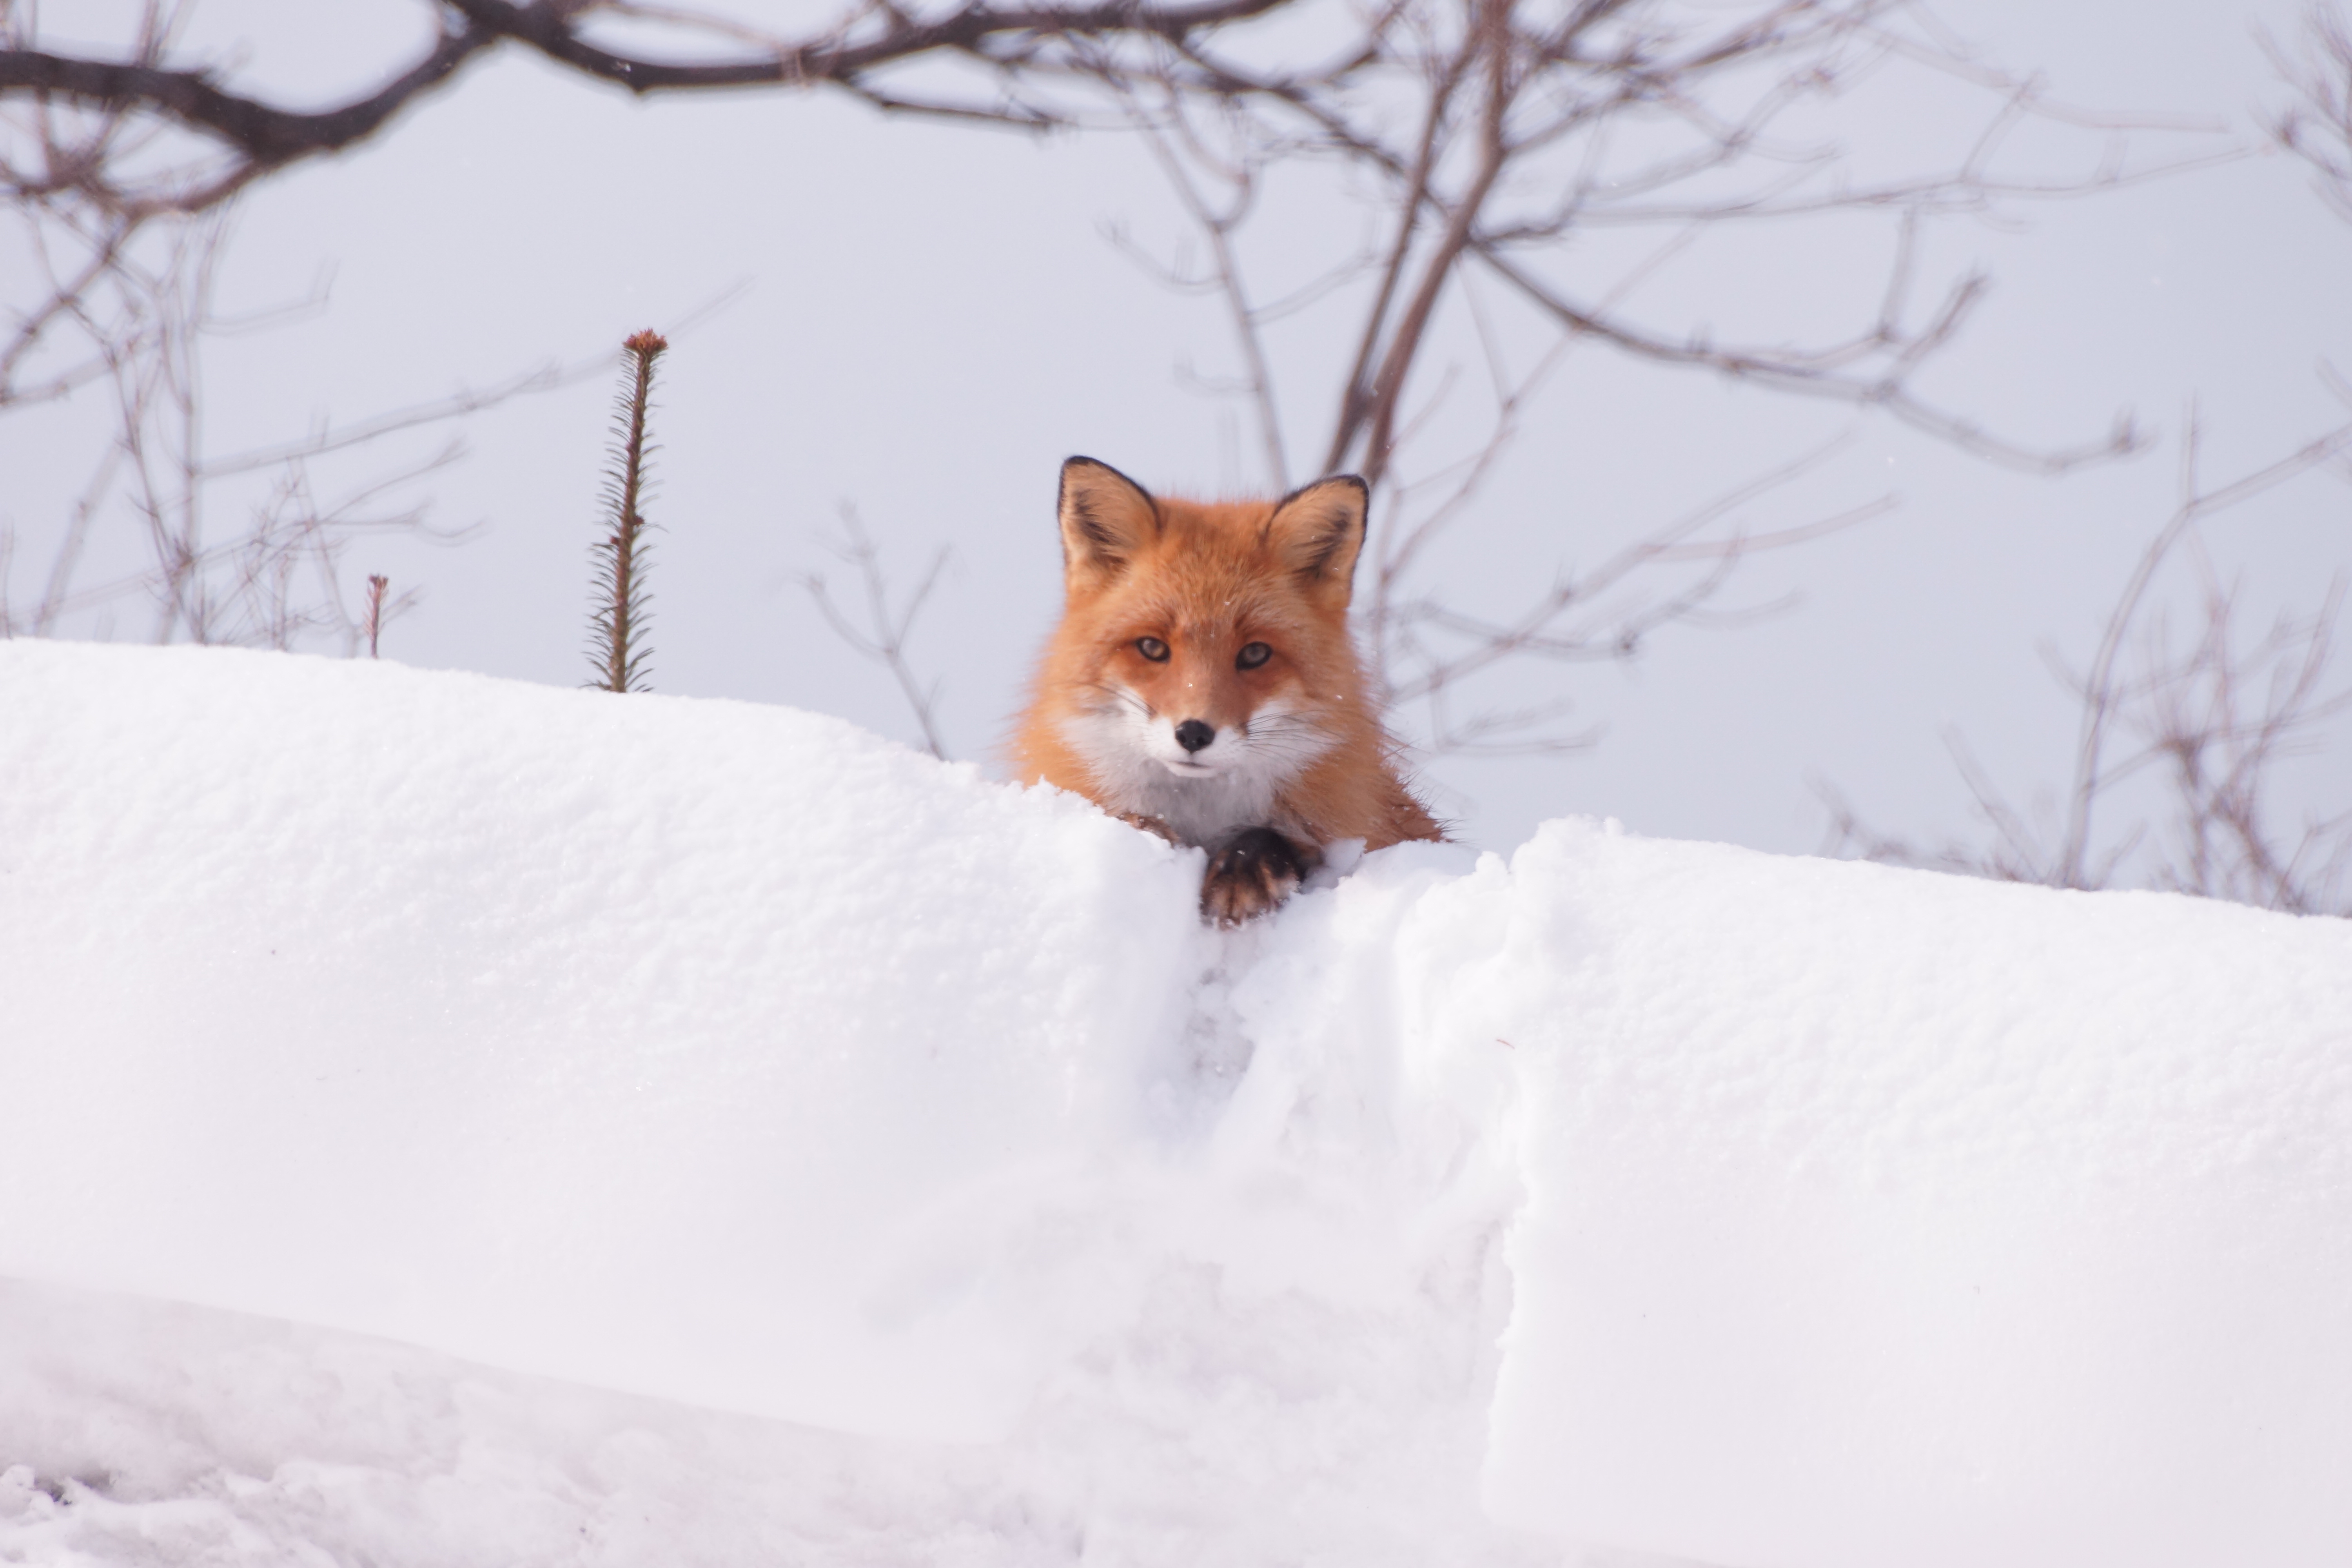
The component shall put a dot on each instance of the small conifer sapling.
(616, 629)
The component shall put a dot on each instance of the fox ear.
(1107, 519)
(1318, 532)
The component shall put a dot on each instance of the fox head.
(1203, 660)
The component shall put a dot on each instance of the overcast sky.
(930, 319)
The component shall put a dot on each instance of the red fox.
(1202, 684)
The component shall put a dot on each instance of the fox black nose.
(1191, 734)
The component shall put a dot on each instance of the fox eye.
(1253, 656)
(1152, 648)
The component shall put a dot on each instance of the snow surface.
(444, 1121)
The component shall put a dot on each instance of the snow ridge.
(1630, 1200)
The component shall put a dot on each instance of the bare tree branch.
(883, 639)
(2098, 688)
(1488, 139)
(2221, 717)
(1219, 226)
(264, 137)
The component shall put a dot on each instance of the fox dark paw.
(1256, 870)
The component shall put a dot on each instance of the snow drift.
(1662, 1196)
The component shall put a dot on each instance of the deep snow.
(932, 1189)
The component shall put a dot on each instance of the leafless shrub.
(2214, 717)
(1488, 145)
(269, 575)
(2217, 715)
(884, 636)
(120, 170)
(2317, 124)
(2217, 718)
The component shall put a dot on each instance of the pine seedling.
(616, 630)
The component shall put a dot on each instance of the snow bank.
(1878, 1217)
(622, 1041)
(1662, 1196)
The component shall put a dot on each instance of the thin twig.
(884, 637)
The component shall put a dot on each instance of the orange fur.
(1168, 602)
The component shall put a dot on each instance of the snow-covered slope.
(1653, 1197)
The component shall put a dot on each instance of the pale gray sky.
(933, 320)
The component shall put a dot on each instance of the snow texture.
(450, 1121)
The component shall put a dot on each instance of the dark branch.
(267, 137)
